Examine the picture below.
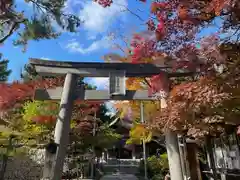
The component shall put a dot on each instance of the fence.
(224, 157)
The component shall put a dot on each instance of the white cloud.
(75, 46)
(99, 19)
(45, 58)
(111, 108)
(91, 36)
(100, 82)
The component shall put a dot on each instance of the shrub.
(157, 167)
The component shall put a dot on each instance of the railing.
(128, 166)
(121, 162)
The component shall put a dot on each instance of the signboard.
(117, 83)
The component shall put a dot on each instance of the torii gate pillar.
(172, 146)
(54, 162)
(173, 153)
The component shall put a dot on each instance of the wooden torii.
(68, 93)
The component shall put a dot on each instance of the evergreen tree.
(28, 73)
(4, 72)
(37, 26)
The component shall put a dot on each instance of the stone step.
(124, 169)
(119, 176)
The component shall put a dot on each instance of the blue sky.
(90, 43)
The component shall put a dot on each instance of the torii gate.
(115, 71)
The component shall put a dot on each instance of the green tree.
(38, 25)
(4, 71)
(157, 167)
(28, 73)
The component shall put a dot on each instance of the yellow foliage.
(134, 83)
(133, 107)
(138, 134)
(147, 60)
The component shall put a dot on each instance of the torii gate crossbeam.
(54, 162)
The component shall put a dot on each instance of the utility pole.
(144, 143)
(93, 150)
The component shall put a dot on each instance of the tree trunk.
(193, 162)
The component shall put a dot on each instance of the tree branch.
(11, 31)
(49, 9)
(133, 13)
(235, 33)
(4, 21)
(146, 81)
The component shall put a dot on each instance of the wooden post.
(133, 153)
(54, 160)
(186, 159)
(181, 145)
(195, 171)
(210, 158)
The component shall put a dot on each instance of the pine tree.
(4, 72)
(28, 73)
(37, 26)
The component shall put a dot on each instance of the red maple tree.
(207, 105)
(13, 95)
(200, 105)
